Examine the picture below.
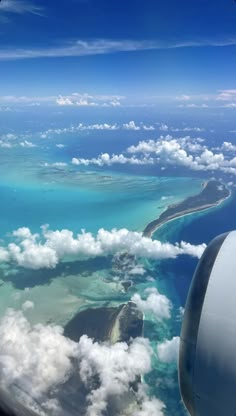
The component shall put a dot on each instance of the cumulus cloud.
(131, 126)
(176, 152)
(150, 407)
(87, 100)
(36, 360)
(186, 152)
(121, 367)
(155, 303)
(55, 164)
(46, 249)
(28, 144)
(164, 127)
(226, 95)
(168, 350)
(104, 159)
(33, 358)
(27, 305)
(64, 101)
(81, 127)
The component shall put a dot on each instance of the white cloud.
(34, 358)
(163, 127)
(164, 198)
(168, 350)
(19, 7)
(131, 126)
(35, 362)
(195, 129)
(155, 303)
(226, 95)
(98, 46)
(64, 101)
(185, 151)
(148, 128)
(6, 145)
(230, 105)
(175, 152)
(97, 126)
(45, 250)
(228, 147)
(27, 305)
(150, 407)
(28, 144)
(87, 100)
(183, 97)
(193, 105)
(121, 366)
(60, 145)
(105, 159)
(55, 164)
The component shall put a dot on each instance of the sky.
(118, 52)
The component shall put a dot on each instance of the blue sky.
(181, 52)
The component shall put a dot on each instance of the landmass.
(107, 324)
(213, 193)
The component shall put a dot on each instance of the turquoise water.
(33, 194)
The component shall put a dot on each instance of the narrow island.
(213, 193)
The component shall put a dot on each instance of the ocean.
(35, 191)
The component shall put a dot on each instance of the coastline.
(165, 218)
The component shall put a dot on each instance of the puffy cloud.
(168, 350)
(28, 144)
(27, 305)
(105, 159)
(148, 128)
(36, 251)
(87, 100)
(131, 126)
(60, 145)
(36, 361)
(55, 164)
(228, 147)
(193, 105)
(194, 129)
(64, 101)
(34, 358)
(176, 152)
(164, 127)
(121, 366)
(150, 407)
(226, 95)
(155, 303)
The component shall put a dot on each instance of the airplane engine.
(207, 357)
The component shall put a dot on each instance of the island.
(213, 193)
(113, 324)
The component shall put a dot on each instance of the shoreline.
(165, 218)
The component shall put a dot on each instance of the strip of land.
(213, 193)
